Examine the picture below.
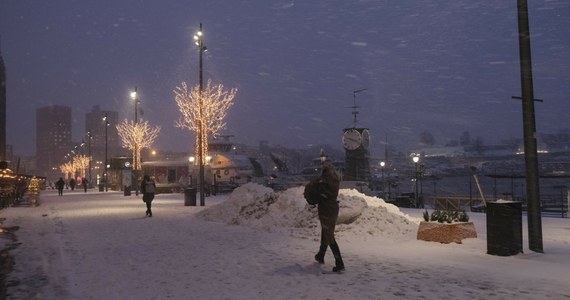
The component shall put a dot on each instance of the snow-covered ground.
(254, 244)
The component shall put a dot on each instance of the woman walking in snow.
(329, 184)
(148, 188)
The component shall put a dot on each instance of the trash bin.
(190, 197)
(101, 187)
(127, 190)
(504, 228)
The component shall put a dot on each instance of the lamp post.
(84, 172)
(106, 120)
(382, 164)
(134, 96)
(198, 40)
(420, 177)
(416, 159)
(191, 159)
(89, 137)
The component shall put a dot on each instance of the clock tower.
(356, 142)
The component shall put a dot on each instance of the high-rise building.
(2, 110)
(53, 139)
(95, 124)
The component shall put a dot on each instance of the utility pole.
(529, 130)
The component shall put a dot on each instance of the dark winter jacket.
(147, 196)
(328, 206)
(60, 184)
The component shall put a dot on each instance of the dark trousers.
(148, 206)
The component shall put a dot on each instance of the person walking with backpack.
(148, 188)
(328, 209)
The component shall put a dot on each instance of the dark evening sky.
(441, 66)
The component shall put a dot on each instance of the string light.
(215, 104)
(136, 136)
(81, 163)
(67, 168)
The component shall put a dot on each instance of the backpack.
(149, 187)
(312, 192)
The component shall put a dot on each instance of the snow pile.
(375, 217)
(257, 206)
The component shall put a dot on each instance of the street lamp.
(420, 178)
(382, 164)
(136, 167)
(191, 159)
(416, 159)
(106, 120)
(134, 96)
(198, 40)
(89, 137)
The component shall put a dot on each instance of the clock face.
(351, 139)
(365, 138)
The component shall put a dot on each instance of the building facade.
(102, 138)
(53, 139)
(2, 109)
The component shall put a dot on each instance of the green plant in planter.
(426, 216)
(463, 217)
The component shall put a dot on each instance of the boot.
(320, 257)
(339, 264)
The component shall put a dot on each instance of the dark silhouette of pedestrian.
(84, 182)
(329, 184)
(72, 184)
(60, 184)
(148, 188)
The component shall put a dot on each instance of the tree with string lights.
(81, 163)
(67, 168)
(136, 136)
(209, 109)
